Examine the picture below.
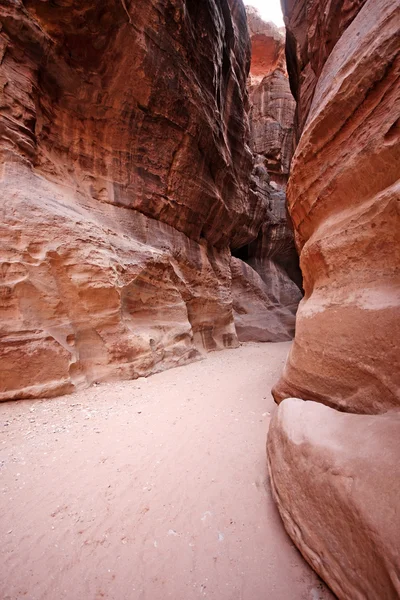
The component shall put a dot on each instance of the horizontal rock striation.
(266, 275)
(312, 30)
(343, 197)
(92, 295)
(336, 480)
(126, 176)
(335, 476)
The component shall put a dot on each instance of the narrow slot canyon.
(199, 300)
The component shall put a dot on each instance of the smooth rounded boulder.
(335, 478)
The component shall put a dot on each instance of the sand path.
(149, 489)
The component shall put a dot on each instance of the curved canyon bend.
(199, 300)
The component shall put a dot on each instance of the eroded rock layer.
(312, 30)
(125, 178)
(272, 106)
(266, 282)
(336, 480)
(335, 476)
(343, 197)
(266, 279)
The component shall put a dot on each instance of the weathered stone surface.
(271, 122)
(267, 46)
(142, 108)
(336, 480)
(127, 180)
(92, 295)
(275, 245)
(266, 285)
(259, 315)
(312, 30)
(272, 105)
(336, 476)
(125, 177)
(343, 197)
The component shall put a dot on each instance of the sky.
(270, 10)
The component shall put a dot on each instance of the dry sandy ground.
(149, 489)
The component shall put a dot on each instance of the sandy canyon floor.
(149, 489)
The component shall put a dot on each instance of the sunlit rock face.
(125, 179)
(266, 277)
(343, 198)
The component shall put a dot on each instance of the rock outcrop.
(266, 278)
(336, 481)
(272, 106)
(336, 476)
(266, 283)
(125, 180)
(343, 198)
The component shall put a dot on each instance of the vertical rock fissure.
(267, 281)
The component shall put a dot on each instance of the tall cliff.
(272, 104)
(266, 275)
(126, 181)
(336, 476)
(343, 199)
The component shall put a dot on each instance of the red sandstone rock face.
(343, 198)
(272, 104)
(335, 476)
(100, 294)
(267, 46)
(140, 108)
(126, 176)
(266, 283)
(336, 480)
(266, 286)
(271, 122)
(313, 29)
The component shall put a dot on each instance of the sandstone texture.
(335, 475)
(125, 179)
(312, 30)
(266, 279)
(343, 198)
(336, 480)
(266, 284)
(272, 106)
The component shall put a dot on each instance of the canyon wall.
(343, 199)
(126, 182)
(335, 475)
(126, 177)
(335, 478)
(266, 278)
(272, 104)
